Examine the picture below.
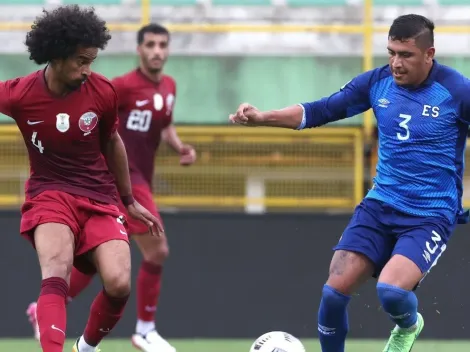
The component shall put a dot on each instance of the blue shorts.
(379, 231)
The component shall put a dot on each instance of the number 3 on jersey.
(406, 135)
(38, 144)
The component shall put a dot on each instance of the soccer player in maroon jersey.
(68, 118)
(146, 99)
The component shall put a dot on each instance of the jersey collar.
(432, 74)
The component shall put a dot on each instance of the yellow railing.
(252, 169)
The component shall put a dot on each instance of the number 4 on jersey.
(403, 124)
(38, 144)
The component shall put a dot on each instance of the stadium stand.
(292, 3)
(241, 2)
(296, 3)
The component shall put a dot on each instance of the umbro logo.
(383, 103)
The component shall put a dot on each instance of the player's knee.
(333, 299)
(56, 266)
(60, 269)
(391, 297)
(118, 285)
(157, 254)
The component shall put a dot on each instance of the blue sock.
(401, 305)
(333, 320)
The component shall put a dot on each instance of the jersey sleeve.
(7, 95)
(171, 103)
(119, 86)
(110, 121)
(464, 93)
(352, 99)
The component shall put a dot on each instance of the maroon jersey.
(145, 109)
(64, 135)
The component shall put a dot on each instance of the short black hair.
(154, 28)
(412, 26)
(57, 34)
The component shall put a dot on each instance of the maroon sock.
(149, 281)
(104, 314)
(78, 282)
(51, 314)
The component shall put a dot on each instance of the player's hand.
(138, 212)
(247, 115)
(187, 155)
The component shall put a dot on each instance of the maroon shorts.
(91, 222)
(143, 195)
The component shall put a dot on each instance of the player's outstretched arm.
(290, 117)
(350, 100)
(116, 158)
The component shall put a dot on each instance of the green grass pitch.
(203, 345)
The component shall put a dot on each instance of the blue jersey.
(422, 137)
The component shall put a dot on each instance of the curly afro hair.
(57, 34)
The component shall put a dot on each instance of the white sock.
(84, 347)
(144, 327)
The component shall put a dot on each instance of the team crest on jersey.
(158, 102)
(63, 122)
(88, 122)
(170, 99)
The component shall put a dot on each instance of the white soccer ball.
(277, 341)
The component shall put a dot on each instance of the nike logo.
(140, 103)
(123, 232)
(104, 330)
(53, 327)
(150, 308)
(34, 122)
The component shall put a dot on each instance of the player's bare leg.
(348, 270)
(395, 290)
(113, 263)
(154, 252)
(55, 248)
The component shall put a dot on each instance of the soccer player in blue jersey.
(401, 228)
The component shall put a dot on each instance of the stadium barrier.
(247, 168)
(237, 275)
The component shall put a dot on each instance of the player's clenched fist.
(187, 155)
(247, 115)
(138, 212)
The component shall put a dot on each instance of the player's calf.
(333, 319)
(401, 305)
(78, 282)
(347, 271)
(55, 247)
(394, 289)
(154, 251)
(112, 260)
